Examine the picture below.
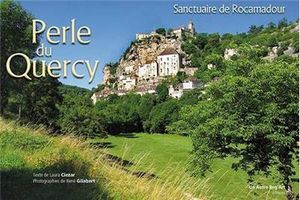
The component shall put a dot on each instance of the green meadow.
(26, 151)
(158, 153)
(133, 166)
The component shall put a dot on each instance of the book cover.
(149, 100)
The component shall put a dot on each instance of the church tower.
(191, 27)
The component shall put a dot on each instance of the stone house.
(127, 82)
(146, 89)
(169, 62)
(140, 36)
(191, 83)
(189, 30)
(148, 70)
(187, 85)
(176, 92)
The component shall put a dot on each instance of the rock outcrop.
(229, 53)
(142, 51)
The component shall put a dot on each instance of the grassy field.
(137, 166)
(158, 153)
(25, 151)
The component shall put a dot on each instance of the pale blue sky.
(115, 23)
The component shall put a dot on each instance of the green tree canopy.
(162, 115)
(41, 99)
(161, 31)
(78, 116)
(253, 117)
(16, 36)
(162, 92)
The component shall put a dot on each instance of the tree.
(271, 26)
(253, 118)
(161, 31)
(78, 116)
(188, 48)
(205, 74)
(213, 41)
(162, 115)
(200, 41)
(214, 59)
(255, 29)
(16, 33)
(40, 101)
(272, 42)
(113, 67)
(179, 78)
(121, 115)
(282, 23)
(169, 32)
(190, 97)
(147, 102)
(162, 92)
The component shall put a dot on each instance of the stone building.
(176, 91)
(147, 63)
(127, 82)
(148, 70)
(188, 31)
(140, 36)
(187, 85)
(169, 62)
(179, 32)
(145, 89)
(102, 94)
(128, 70)
(191, 83)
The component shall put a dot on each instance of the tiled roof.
(168, 51)
(149, 61)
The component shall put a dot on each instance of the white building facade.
(175, 92)
(168, 62)
(148, 70)
(191, 83)
(187, 85)
(127, 83)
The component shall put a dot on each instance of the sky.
(114, 24)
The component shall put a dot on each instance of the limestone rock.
(295, 29)
(273, 52)
(106, 75)
(147, 50)
(290, 51)
(211, 66)
(229, 53)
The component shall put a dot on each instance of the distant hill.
(75, 90)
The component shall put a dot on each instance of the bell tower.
(191, 27)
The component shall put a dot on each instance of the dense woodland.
(253, 103)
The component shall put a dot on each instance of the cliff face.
(147, 49)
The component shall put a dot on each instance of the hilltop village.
(150, 59)
(156, 57)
